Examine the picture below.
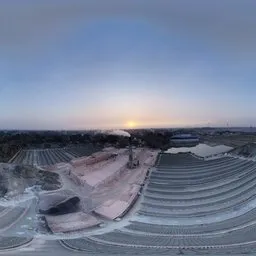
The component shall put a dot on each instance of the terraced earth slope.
(188, 204)
(43, 157)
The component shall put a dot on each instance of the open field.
(42, 157)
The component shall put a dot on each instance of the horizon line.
(135, 128)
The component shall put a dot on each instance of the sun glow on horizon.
(131, 124)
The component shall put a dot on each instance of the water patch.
(201, 149)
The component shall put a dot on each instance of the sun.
(131, 124)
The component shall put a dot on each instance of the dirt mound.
(58, 203)
(14, 179)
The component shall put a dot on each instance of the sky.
(127, 63)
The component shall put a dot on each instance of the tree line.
(12, 142)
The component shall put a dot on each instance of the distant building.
(184, 139)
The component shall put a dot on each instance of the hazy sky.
(104, 64)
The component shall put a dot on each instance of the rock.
(16, 179)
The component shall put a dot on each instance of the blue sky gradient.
(81, 64)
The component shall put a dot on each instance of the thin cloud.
(226, 24)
